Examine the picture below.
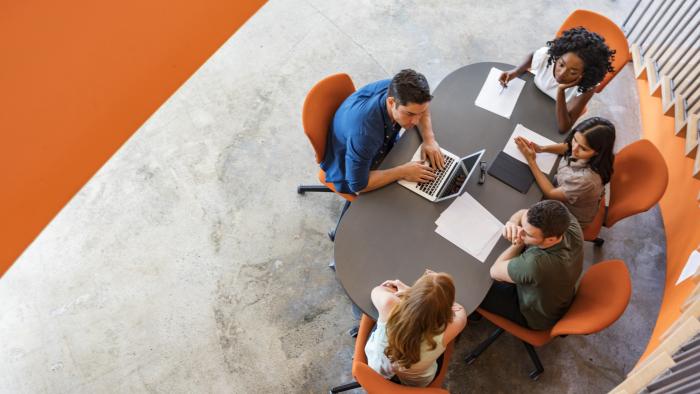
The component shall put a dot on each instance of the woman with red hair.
(414, 327)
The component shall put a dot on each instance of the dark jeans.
(356, 311)
(502, 299)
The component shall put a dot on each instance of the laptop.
(449, 182)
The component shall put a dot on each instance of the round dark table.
(390, 233)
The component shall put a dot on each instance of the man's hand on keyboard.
(431, 151)
(417, 171)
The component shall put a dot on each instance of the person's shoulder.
(591, 175)
(378, 85)
(539, 58)
(543, 260)
(525, 267)
(374, 88)
(541, 51)
(358, 116)
(386, 306)
(574, 232)
(529, 257)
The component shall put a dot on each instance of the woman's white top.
(544, 76)
(419, 374)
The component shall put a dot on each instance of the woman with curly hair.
(584, 170)
(414, 327)
(568, 69)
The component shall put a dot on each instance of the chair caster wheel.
(331, 235)
(300, 190)
(470, 359)
(535, 375)
(598, 242)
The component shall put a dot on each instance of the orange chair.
(638, 182)
(320, 105)
(614, 38)
(373, 382)
(602, 297)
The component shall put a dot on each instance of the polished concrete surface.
(189, 264)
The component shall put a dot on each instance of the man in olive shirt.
(536, 276)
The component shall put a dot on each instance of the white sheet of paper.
(691, 266)
(494, 98)
(469, 226)
(544, 160)
(484, 253)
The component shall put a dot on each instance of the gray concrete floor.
(189, 264)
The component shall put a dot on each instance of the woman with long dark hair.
(414, 327)
(584, 170)
(568, 69)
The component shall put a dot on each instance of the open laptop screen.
(458, 179)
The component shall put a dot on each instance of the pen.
(504, 86)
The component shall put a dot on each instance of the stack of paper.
(496, 98)
(470, 226)
(544, 160)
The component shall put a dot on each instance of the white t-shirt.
(544, 76)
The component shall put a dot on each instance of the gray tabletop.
(390, 233)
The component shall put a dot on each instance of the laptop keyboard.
(431, 187)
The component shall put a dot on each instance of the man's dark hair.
(408, 87)
(550, 216)
(591, 48)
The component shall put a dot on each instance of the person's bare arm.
(511, 232)
(499, 269)
(459, 321)
(557, 149)
(548, 189)
(568, 113)
(430, 149)
(517, 217)
(384, 298)
(514, 73)
(412, 171)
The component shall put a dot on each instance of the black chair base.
(344, 387)
(331, 234)
(301, 189)
(534, 375)
(471, 357)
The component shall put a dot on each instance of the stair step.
(691, 136)
(652, 77)
(666, 91)
(638, 62)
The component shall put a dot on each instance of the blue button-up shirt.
(360, 137)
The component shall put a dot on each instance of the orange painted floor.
(78, 78)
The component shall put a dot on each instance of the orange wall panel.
(78, 77)
(679, 209)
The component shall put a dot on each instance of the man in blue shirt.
(365, 127)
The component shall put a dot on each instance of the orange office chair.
(614, 38)
(375, 383)
(320, 105)
(602, 297)
(638, 182)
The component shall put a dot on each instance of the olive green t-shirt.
(546, 278)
